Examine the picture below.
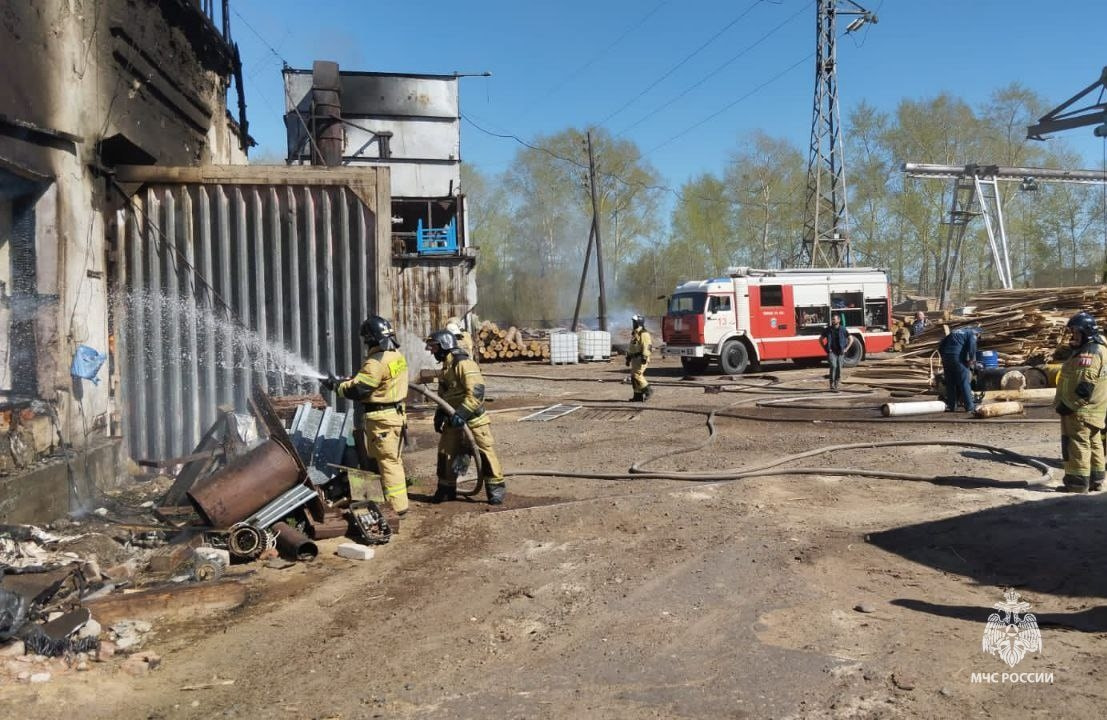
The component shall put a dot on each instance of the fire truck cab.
(754, 315)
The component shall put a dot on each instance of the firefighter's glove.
(330, 382)
(1084, 390)
(441, 419)
(1063, 409)
(628, 359)
(457, 419)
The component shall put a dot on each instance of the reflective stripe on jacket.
(460, 377)
(1087, 367)
(382, 380)
(640, 343)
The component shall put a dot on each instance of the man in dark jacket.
(958, 353)
(837, 342)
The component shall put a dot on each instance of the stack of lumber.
(1024, 327)
(494, 344)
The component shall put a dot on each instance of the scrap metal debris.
(250, 489)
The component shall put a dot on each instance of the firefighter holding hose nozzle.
(380, 389)
(461, 385)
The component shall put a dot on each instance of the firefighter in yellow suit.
(380, 389)
(638, 357)
(464, 339)
(1081, 401)
(461, 385)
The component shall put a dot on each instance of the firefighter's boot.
(444, 493)
(646, 392)
(1096, 481)
(637, 397)
(1074, 484)
(496, 492)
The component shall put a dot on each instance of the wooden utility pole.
(596, 229)
(583, 275)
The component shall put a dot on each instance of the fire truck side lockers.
(757, 315)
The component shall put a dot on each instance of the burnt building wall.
(87, 86)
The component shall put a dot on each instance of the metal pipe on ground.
(912, 408)
(293, 544)
(998, 409)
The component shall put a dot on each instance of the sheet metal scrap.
(319, 437)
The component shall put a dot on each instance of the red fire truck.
(757, 315)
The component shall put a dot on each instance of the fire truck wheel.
(734, 358)
(694, 365)
(855, 354)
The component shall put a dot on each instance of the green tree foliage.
(768, 180)
(540, 211)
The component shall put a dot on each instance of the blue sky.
(575, 63)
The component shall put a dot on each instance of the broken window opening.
(425, 226)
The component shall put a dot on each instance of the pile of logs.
(1024, 327)
(493, 344)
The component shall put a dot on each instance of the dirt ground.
(791, 596)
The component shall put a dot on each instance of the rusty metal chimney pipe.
(326, 101)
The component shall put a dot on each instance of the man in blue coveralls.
(958, 352)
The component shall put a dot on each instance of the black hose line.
(636, 471)
(770, 468)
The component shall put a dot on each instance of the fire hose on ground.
(635, 472)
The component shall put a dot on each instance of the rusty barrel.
(245, 486)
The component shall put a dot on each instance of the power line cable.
(680, 64)
(287, 92)
(626, 33)
(682, 133)
(714, 72)
(583, 166)
(859, 43)
(728, 106)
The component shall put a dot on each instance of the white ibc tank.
(563, 348)
(595, 345)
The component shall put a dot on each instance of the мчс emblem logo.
(1009, 636)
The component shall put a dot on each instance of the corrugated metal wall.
(425, 294)
(291, 270)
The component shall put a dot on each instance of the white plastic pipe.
(912, 408)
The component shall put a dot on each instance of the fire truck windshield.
(687, 303)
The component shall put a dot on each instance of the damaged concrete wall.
(88, 85)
